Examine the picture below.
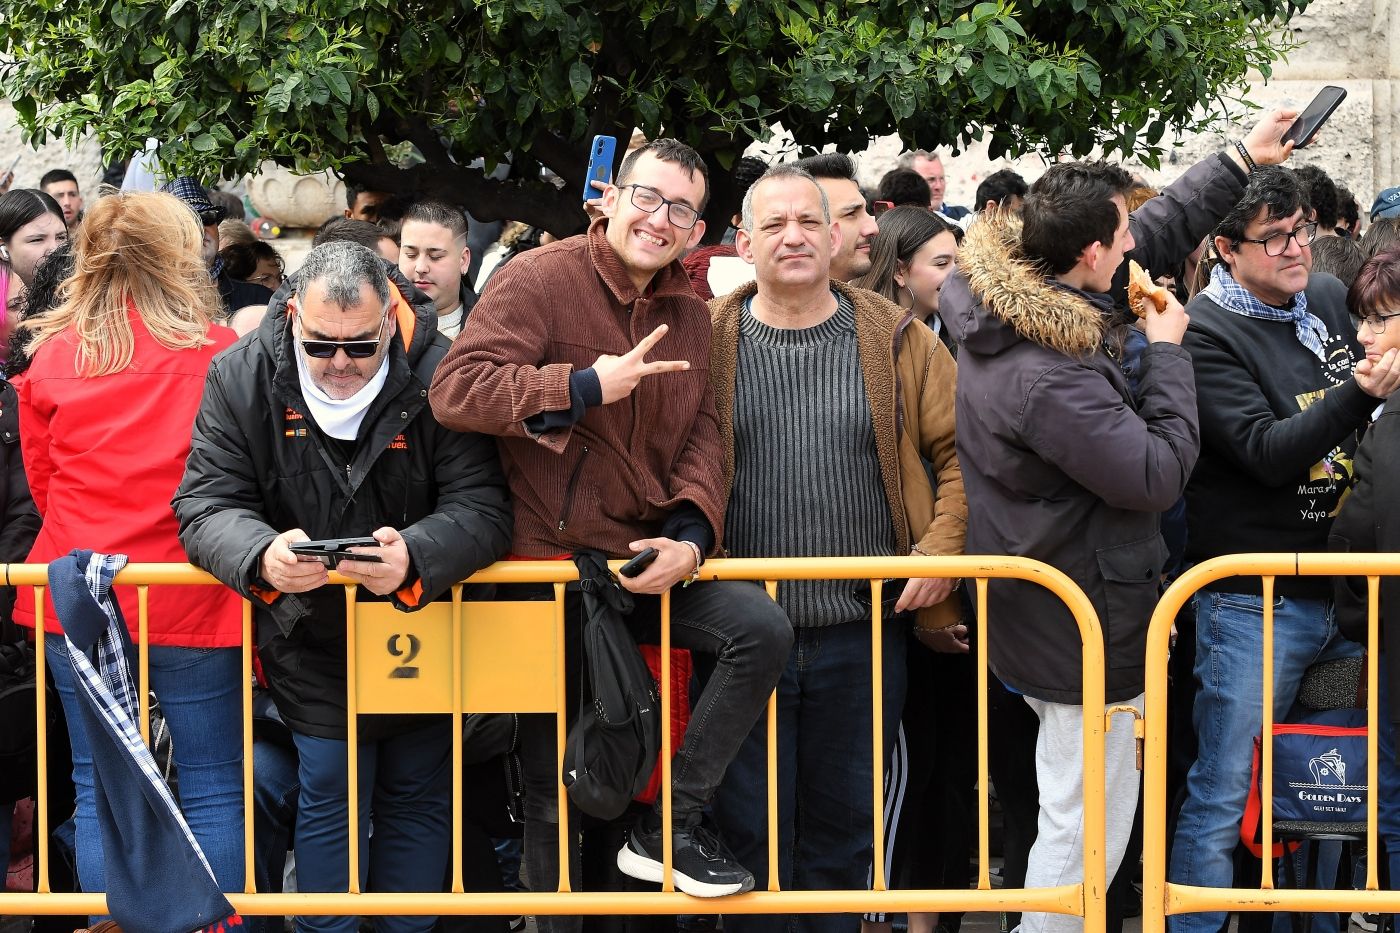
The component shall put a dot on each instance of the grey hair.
(907, 160)
(343, 267)
(782, 170)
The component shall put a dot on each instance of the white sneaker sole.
(645, 869)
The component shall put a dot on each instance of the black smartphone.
(331, 551)
(635, 566)
(1314, 116)
(600, 165)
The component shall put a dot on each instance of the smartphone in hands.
(331, 551)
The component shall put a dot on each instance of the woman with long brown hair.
(106, 412)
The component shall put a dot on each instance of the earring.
(4, 254)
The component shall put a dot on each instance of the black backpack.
(612, 748)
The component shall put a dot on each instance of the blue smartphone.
(600, 164)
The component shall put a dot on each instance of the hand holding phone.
(331, 551)
(600, 167)
(635, 566)
(1313, 117)
(385, 570)
(284, 571)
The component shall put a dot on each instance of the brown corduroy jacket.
(911, 381)
(618, 473)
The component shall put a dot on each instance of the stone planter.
(296, 200)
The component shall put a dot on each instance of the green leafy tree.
(341, 83)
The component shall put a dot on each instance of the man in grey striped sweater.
(829, 400)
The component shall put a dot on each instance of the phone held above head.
(1313, 117)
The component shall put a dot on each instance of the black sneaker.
(701, 865)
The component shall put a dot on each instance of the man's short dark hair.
(1348, 210)
(348, 230)
(1271, 188)
(1321, 192)
(1067, 209)
(675, 152)
(832, 165)
(1382, 236)
(241, 259)
(440, 213)
(391, 208)
(353, 192)
(999, 187)
(55, 175)
(1339, 256)
(902, 186)
(747, 171)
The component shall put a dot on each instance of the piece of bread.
(1144, 294)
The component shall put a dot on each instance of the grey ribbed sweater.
(806, 474)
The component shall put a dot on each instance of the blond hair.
(139, 248)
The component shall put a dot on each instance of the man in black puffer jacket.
(315, 426)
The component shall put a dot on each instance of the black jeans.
(749, 637)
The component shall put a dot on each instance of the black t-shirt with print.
(1279, 428)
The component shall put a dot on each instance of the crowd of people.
(875, 373)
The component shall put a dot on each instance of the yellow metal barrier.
(1162, 898)
(461, 657)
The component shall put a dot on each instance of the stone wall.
(84, 160)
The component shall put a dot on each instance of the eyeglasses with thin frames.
(1277, 244)
(681, 216)
(355, 349)
(1376, 322)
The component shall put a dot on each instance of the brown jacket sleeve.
(697, 476)
(496, 375)
(935, 402)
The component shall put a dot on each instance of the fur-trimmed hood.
(1005, 299)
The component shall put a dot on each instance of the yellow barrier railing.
(1162, 898)
(468, 660)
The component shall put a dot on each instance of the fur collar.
(1013, 292)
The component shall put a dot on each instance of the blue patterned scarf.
(1231, 295)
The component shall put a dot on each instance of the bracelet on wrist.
(699, 559)
(1249, 163)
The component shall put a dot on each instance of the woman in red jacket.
(106, 411)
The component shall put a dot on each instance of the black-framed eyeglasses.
(1277, 244)
(1376, 322)
(650, 200)
(355, 349)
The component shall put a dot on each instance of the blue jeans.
(1228, 716)
(406, 789)
(198, 689)
(824, 772)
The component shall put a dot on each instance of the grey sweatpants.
(1057, 858)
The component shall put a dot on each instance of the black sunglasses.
(355, 349)
(212, 216)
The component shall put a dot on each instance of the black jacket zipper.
(569, 489)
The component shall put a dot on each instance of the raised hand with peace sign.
(619, 375)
